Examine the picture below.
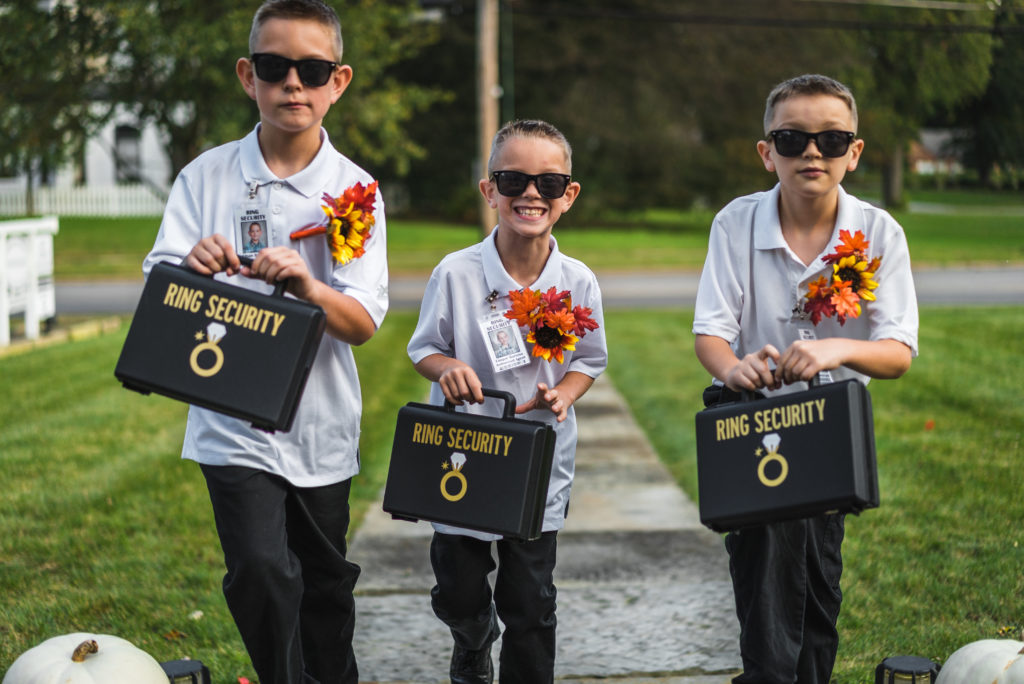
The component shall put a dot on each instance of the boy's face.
(290, 106)
(811, 174)
(529, 215)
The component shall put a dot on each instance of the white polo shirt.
(322, 446)
(751, 314)
(456, 299)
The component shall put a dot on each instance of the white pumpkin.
(989, 661)
(84, 658)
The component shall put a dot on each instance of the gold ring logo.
(193, 360)
(444, 490)
(771, 443)
(775, 481)
(457, 460)
(215, 332)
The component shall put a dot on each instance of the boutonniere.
(852, 280)
(554, 324)
(347, 224)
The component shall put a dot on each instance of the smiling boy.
(756, 329)
(469, 293)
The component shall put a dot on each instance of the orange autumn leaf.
(561, 320)
(526, 306)
(846, 302)
(851, 244)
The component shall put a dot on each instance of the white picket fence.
(26, 274)
(119, 200)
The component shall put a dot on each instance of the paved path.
(643, 589)
(657, 289)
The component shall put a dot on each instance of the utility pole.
(488, 92)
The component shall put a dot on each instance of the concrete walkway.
(643, 589)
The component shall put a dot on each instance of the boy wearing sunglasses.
(464, 304)
(280, 500)
(762, 322)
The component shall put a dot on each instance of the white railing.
(118, 200)
(26, 274)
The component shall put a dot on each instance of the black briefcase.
(481, 473)
(787, 457)
(222, 347)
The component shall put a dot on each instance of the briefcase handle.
(510, 402)
(278, 286)
(748, 395)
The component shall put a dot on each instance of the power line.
(575, 12)
(946, 5)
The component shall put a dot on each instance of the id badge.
(504, 342)
(251, 230)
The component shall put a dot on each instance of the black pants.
(288, 584)
(786, 581)
(524, 597)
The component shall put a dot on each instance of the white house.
(126, 172)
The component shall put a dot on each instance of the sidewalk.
(643, 589)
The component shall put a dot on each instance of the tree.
(992, 126)
(52, 60)
(915, 63)
(176, 67)
(663, 99)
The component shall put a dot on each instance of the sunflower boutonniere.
(347, 224)
(554, 324)
(851, 281)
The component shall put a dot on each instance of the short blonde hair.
(808, 84)
(528, 128)
(315, 10)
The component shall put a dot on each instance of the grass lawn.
(103, 528)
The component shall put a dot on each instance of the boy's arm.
(883, 359)
(347, 320)
(458, 380)
(752, 372)
(559, 398)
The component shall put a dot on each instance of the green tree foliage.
(52, 59)
(913, 64)
(992, 126)
(663, 99)
(176, 68)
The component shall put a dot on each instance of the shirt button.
(276, 210)
(278, 185)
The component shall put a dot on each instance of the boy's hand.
(460, 383)
(213, 254)
(803, 359)
(753, 371)
(547, 399)
(274, 264)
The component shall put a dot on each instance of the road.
(650, 290)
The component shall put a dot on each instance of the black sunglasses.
(792, 143)
(514, 183)
(274, 68)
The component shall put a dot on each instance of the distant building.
(932, 153)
